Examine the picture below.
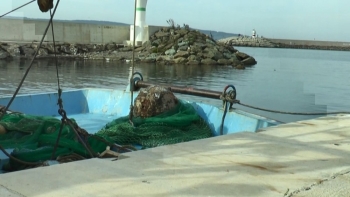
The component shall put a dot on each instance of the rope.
(57, 140)
(17, 8)
(59, 102)
(291, 113)
(31, 63)
(24, 77)
(132, 71)
(18, 160)
(223, 117)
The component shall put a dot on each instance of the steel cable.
(17, 8)
(291, 113)
(31, 63)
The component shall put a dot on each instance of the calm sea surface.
(284, 79)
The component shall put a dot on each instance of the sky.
(287, 19)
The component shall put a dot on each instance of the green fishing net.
(180, 124)
(33, 139)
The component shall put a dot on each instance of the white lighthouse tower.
(254, 34)
(140, 23)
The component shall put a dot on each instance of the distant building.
(254, 34)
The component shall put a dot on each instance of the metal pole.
(183, 90)
(133, 68)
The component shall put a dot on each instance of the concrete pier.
(306, 158)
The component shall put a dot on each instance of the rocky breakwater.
(167, 46)
(111, 51)
(186, 46)
(247, 41)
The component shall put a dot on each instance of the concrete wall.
(19, 30)
(310, 42)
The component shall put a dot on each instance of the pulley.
(45, 5)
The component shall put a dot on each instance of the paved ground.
(308, 158)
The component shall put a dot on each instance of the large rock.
(193, 58)
(147, 44)
(224, 62)
(153, 101)
(235, 62)
(125, 49)
(208, 61)
(14, 50)
(27, 51)
(183, 48)
(4, 54)
(239, 67)
(69, 49)
(182, 32)
(213, 54)
(162, 34)
(180, 60)
(43, 52)
(209, 41)
(149, 59)
(51, 49)
(183, 43)
(195, 49)
(184, 54)
(249, 61)
(241, 56)
(201, 46)
(139, 49)
(170, 52)
(193, 62)
(111, 46)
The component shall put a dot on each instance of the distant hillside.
(216, 34)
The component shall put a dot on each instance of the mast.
(138, 29)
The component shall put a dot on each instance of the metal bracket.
(134, 79)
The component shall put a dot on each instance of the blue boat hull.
(94, 108)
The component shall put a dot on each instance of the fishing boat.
(236, 159)
(93, 108)
(84, 115)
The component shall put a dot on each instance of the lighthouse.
(253, 33)
(140, 23)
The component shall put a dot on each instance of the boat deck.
(306, 158)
